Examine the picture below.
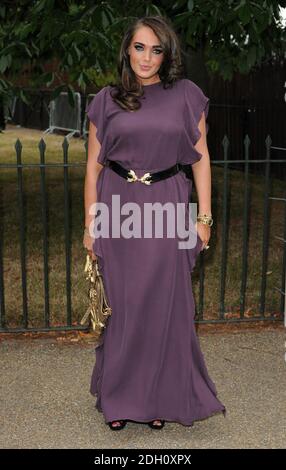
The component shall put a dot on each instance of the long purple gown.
(150, 365)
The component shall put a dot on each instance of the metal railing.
(225, 219)
(63, 117)
(47, 324)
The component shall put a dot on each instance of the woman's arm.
(202, 180)
(93, 168)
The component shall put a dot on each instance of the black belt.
(149, 178)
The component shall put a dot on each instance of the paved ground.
(45, 399)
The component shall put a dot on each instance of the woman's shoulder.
(193, 93)
(190, 86)
(103, 91)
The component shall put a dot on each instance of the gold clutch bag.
(98, 310)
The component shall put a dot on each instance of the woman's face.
(145, 49)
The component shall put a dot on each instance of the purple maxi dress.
(150, 365)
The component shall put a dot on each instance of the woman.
(150, 367)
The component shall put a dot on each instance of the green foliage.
(70, 44)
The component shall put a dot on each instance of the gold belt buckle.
(133, 177)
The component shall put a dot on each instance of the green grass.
(56, 243)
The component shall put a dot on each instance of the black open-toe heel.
(157, 426)
(117, 427)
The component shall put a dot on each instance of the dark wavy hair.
(127, 88)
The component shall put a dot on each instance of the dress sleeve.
(96, 112)
(195, 104)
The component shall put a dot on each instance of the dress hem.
(176, 420)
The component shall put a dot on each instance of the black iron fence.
(241, 279)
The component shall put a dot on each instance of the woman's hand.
(204, 232)
(87, 243)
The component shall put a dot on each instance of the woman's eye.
(157, 51)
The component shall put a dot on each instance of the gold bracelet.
(205, 219)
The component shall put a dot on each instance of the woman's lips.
(143, 67)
